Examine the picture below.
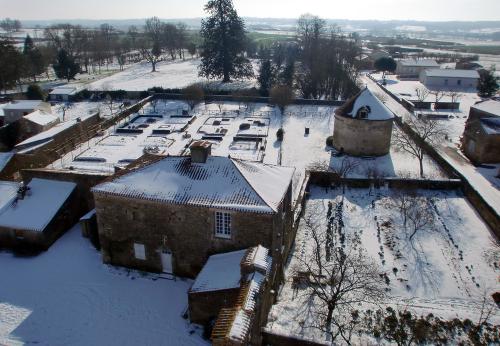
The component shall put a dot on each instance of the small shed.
(34, 216)
(63, 94)
(15, 110)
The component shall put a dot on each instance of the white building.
(63, 94)
(411, 68)
(17, 109)
(448, 78)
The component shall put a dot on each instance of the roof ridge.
(233, 161)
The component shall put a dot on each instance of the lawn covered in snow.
(169, 75)
(445, 269)
(66, 296)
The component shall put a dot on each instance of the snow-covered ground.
(66, 296)
(445, 269)
(169, 75)
(455, 123)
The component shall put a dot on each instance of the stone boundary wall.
(274, 339)
(66, 141)
(487, 212)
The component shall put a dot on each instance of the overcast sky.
(433, 10)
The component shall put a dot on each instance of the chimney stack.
(200, 151)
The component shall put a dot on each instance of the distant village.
(262, 205)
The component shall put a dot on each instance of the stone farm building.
(363, 126)
(35, 216)
(481, 139)
(449, 78)
(171, 215)
(411, 68)
(233, 291)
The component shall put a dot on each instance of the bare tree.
(420, 215)
(282, 96)
(422, 93)
(428, 131)
(193, 94)
(64, 108)
(340, 279)
(455, 96)
(438, 95)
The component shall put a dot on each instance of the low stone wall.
(273, 339)
(83, 181)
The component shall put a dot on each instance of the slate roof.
(490, 106)
(221, 182)
(450, 73)
(419, 63)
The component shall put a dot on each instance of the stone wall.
(84, 182)
(187, 231)
(361, 137)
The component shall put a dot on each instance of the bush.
(329, 141)
(34, 92)
(279, 134)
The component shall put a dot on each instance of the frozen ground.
(445, 269)
(66, 296)
(169, 75)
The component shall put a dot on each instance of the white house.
(448, 78)
(15, 110)
(411, 68)
(63, 93)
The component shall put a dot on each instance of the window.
(222, 225)
(140, 251)
(459, 82)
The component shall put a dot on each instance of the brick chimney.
(200, 151)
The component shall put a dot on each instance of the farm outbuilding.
(449, 78)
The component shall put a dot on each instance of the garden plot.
(444, 261)
(397, 163)
(301, 150)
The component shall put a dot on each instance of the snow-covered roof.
(8, 191)
(65, 90)
(42, 118)
(40, 205)
(490, 106)
(491, 125)
(88, 216)
(4, 159)
(419, 63)
(366, 102)
(221, 182)
(23, 104)
(258, 257)
(46, 136)
(241, 326)
(450, 73)
(254, 288)
(221, 272)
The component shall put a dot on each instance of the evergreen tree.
(10, 65)
(266, 77)
(223, 46)
(65, 67)
(287, 74)
(35, 64)
(487, 85)
(34, 92)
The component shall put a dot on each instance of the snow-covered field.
(169, 75)
(66, 296)
(445, 269)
